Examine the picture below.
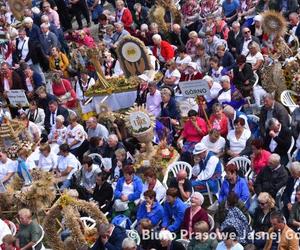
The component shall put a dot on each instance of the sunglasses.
(246, 32)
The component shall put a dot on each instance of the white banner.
(17, 98)
(194, 88)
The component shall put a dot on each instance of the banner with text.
(194, 88)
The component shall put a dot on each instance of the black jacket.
(279, 112)
(241, 44)
(174, 38)
(261, 222)
(234, 42)
(283, 140)
(289, 189)
(271, 181)
(60, 111)
(103, 195)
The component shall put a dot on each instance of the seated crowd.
(221, 42)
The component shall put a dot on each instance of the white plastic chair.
(289, 152)
(211, 222)
(287, 100)
(12, 227)
(184, 242)
(278, 200)
(174, 168)
(256, 79)
(88, 222)
(40, 240)
(242, 163)
(134, 235)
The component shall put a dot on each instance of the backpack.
(122, 221)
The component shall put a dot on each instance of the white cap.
(144, 77)
(193, 65)
(199, 148)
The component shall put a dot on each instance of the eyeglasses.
(246, 32)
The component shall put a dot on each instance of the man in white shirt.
(7, 168)
(153, 100)
(207, 169)
(67, 165)
(96, 129)
(214, 89)
(214, 142)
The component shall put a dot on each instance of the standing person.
(153, 99)
(78, 8)
(52, 14)
(123, 15)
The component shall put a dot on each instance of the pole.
(201, 104)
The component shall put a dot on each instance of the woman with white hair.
(162, 50)
(128, 244)
(192, 43)
(229, 94)
(76, 137)
(194, 213)
(167, 241)
(58, 132)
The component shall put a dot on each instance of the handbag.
(66, 97)
(120, 206)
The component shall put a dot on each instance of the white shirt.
(153, 103)
(90, 82)
(47, 163)
(293, 196)
(209, 170)
(117, 69)
(159, 189)
(77, 133)
(69, 161)
(238, 145)
(273, 143)
(185, 60)
(128, 188)
(225, 96)
(213, 92)
(253, 59)
(245, 49)
(4, 230)
(174, 73)
(6, 85)
(216, 147)
(58, 135)
(24, 49)
(221, 246)
(6, 168)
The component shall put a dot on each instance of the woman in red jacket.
(123, 15)
(64, 91)
(162, 50)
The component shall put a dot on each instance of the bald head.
(181, 175)
(176, 28)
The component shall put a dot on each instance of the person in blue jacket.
(129, 189)
(174, 210)
(150, 208)
(233, 182)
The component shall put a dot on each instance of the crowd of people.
(221, 42)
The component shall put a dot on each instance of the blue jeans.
(65, 184)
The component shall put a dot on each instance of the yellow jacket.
(63, 63)
(288, 240)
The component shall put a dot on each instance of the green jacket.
(209, 244)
